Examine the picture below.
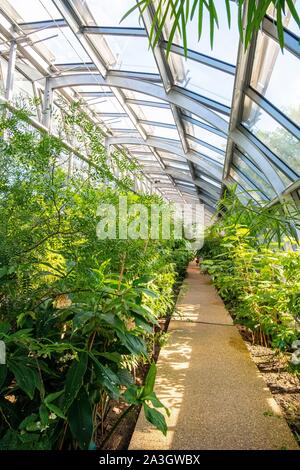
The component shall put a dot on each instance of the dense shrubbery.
(257, 278)
(77, 314)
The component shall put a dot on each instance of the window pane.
(170, 157)
(287, 20)
(272, 134)
(205, 151)
(256, 194)
(225, 40)
(254, 176)
(63, 45)
(204, 80)
(132, 54)
(161, 132)
(180, 166)
(110, 12)
(206, 136)
(206, 178)
(149, 113)
(38, 10)
(276, 76)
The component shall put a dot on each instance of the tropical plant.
(258, 280)
(77, 313)
(176, 15)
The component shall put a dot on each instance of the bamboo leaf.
(280, 27)
(228, 11)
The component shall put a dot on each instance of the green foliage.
(176, 15)
(257, 278)
(76, 312)
(145, 396)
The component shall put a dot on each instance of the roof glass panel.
(141, 96)
(131, 54)
(185, 183)
(171, 157)
(226, 40)
(288, 21)
(39, 10)
(254, 192)
(205, 80)
(107, 105)
(205, 151)
(161, 132)
(112, 11)
(209, 180)
(181, 166)
(149, 113)
(271, 70)
(272, 134)
(22, 86)
(63, 45)
(120, 123)
(206, 136)
(254, 175)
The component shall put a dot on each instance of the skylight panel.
(63, 44)
(207, 136)
(205, 151)
(150, 113)
(163, 132)
(206, 81)
(271, 71)
(131, 54)
(225, 41)
(110, 12)
(36, 10)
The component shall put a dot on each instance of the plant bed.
(121, 436)
(282, 381)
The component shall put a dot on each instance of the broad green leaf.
(156, 402)
(27, 378)
(53, 396)
(125, 377)
(131, 395)
(44, 415)
(80, 419)
(133, 343)
(150, 380)
(74, 379)
(56, 410)
(156, 418)
(112, 356)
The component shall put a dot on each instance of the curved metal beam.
(212, 168)
(259, 159)
(151, 89)
(178, 99)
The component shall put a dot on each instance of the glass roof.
(170, 113)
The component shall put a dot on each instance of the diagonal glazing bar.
(114, 31)
(202, 58)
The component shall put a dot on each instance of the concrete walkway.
(207, 379)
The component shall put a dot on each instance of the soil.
(283, 382)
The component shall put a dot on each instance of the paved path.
(216, 396)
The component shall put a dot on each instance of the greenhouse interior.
(149, 227)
